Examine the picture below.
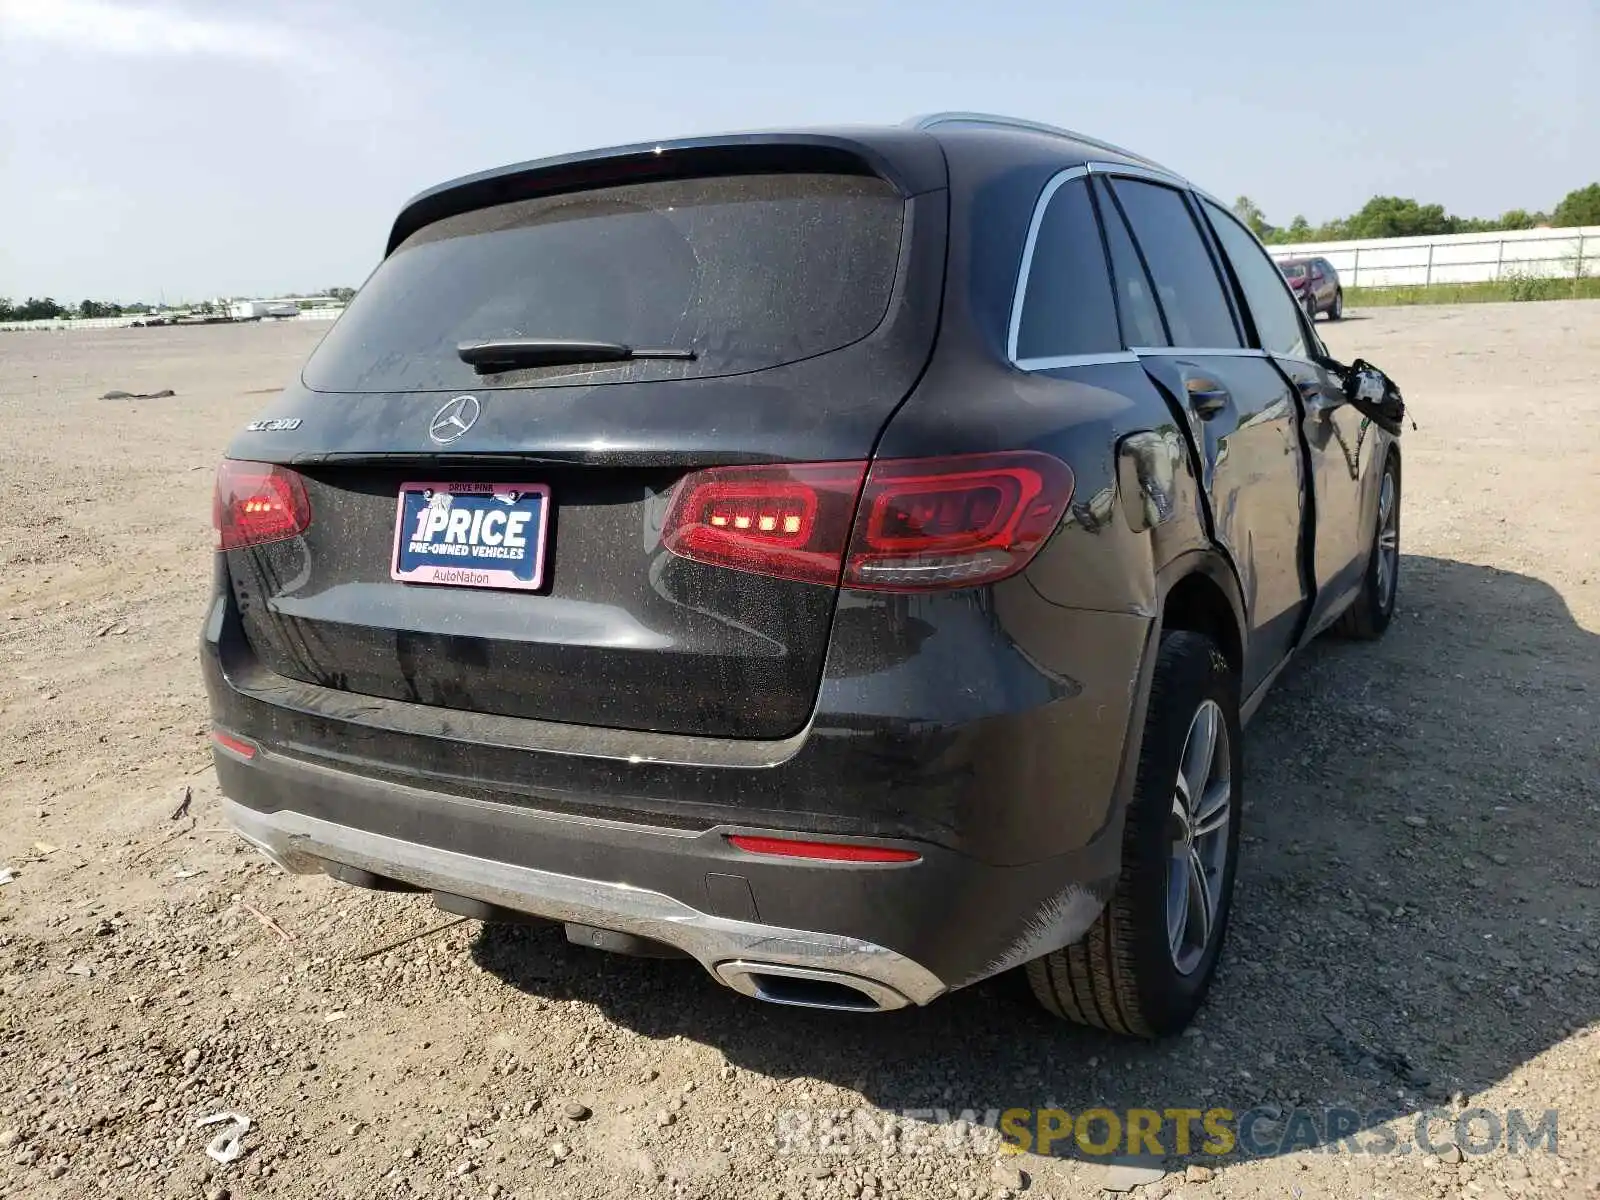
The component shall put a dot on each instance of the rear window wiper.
(511, 354)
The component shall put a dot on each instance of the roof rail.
(977, 118)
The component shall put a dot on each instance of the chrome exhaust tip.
(809, 987)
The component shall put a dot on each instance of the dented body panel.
(558, 752)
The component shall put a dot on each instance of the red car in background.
(1316, 285)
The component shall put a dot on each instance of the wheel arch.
(1199, 592)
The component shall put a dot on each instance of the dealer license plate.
(471, 534)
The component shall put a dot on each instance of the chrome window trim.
(1014, 327)
(1019, 294)
(1153, 174)
(1058, 361)
(1204, 351)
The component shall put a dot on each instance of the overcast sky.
(203, 147)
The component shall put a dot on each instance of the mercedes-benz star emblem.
(454, 419)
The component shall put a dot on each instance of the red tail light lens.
(257, 503)
(927, 523)
(789, 521)
(909, 524)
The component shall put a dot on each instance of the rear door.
(1237, 408)
(807, 300)
(1335, 433)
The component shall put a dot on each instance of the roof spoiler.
(911, 163)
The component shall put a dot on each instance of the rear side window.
(1136, 304)
(1276, 315)
(1186, 281)
(748, 271)
(1066, 303)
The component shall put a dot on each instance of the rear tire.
(1311, 306)
(1371, 611)
(1146, 963)
(1337, 311)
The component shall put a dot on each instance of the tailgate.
(809, 303)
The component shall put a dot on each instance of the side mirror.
(1374, 395)
(1365, 383)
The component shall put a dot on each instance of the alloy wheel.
(1202, 803)
(1388, 542)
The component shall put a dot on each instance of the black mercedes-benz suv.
(843, 557)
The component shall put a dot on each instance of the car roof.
(914, 156)
(1075, 146)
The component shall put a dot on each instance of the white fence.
(1458, 257)
(324, 313)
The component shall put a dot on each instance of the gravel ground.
(1415, 926)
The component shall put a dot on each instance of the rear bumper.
(998, 752)
(903, 932)
(732, 950)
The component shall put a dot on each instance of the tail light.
(910, 524)
(789, 521)
(257, 503)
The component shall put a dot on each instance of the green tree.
(1394, 216)
(1580, 207)
(1520, 218)
(1247, 211)
(33, 309)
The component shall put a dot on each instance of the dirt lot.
(1416, 922)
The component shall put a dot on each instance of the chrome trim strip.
(1153, 173)
(1014, 327)
(1204, 351)
(1075, 360)
(303, 844)
(1017, 296)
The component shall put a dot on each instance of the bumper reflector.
(237, 745)
(825, 851)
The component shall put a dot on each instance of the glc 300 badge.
(274, 425)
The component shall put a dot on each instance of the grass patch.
(1510, 288)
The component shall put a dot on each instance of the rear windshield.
(747, 271)
(1293, 270)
